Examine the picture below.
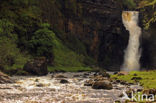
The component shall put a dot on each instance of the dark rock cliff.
(96, 24)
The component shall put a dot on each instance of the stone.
(136, 88)
(38, 66)
(149, 91)
(63, 81)
(40, 85)
(89, 82)
(135, 74)
(36, 80)
(136, 78)
(104, 74)
(105, 84)
(76, 75)
(123, 82)
(99, 78)
(115, 73)
(60, 76)
(86, 74)
(122, 73)
(5, 78)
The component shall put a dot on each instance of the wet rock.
(5, 78)
(60, 76)
(76, 75)
(129, 92)
(63, 81)
(86, 74)
(95, 74)
(99, 78)
(89, 82)
(136, 88)
(40, 85)
(152, 91)
(122, 73)
(115, 73)
(118, 81)
(136, 78)
(105, 84)
(135, 74)
(123, 82)
(38, 66)
(36, 80)
(149, 91)
(104, 74)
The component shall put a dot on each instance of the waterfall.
(132, 52)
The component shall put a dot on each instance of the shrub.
(10, 54)
(7, 29)
(42, 41)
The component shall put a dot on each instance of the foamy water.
(133, 52)
(30, 90)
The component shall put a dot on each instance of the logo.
(138, 97)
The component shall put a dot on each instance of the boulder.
(63, 81)
(5, 78)
(38, 66)
(105, 84)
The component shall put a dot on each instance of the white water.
(132, 53)
(25, 90)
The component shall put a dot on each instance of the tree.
(149, 12)
(42, 41)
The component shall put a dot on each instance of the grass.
(148, 78)
(15, 70)
(69, 69)
(63, 56)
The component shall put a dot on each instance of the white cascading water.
(133, 52)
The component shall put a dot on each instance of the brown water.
(46, 89)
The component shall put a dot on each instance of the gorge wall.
(94, 28)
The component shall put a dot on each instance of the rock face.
(98, 26)
(38, 66)
(148, 59)
(5, 78)
(95, 23)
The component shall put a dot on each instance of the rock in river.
(63, 81)
(5, 78)
(105, 84)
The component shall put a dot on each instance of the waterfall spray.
(133, 52)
